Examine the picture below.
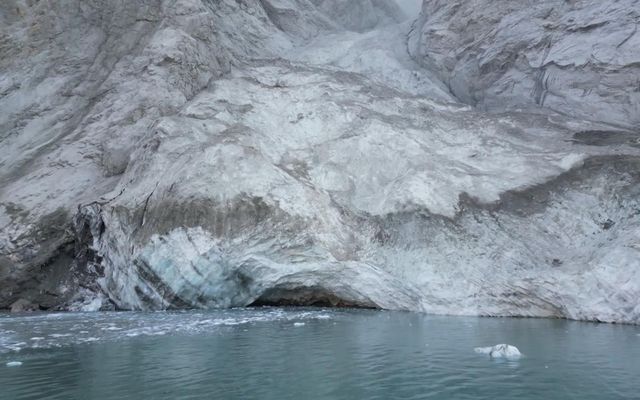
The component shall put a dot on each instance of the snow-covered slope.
(198, 153)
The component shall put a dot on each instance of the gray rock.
(23, 305)
(361, 15)
(580, 58)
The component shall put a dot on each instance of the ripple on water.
(65, 329)
(312, 354)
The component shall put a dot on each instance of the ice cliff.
(479, 160)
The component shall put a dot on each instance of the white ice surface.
(500, 351)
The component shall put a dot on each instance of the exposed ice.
(500, 351)
(93, 305)
(14, 363)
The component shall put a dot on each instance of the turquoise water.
(311, 354)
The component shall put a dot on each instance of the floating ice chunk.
(500, 351)
(298, 324)
(14, 363)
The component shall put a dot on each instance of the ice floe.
(500, 351)
(14, 363)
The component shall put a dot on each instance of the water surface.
(311, 354)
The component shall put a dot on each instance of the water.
(311, 354)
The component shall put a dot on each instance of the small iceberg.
(14, 364)
(500, 351)
(298, 324)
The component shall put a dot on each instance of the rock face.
(23, 305)
(362, 15)
(177, 154)
(580, 58)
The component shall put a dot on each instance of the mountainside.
(217, 153)
(579, 58)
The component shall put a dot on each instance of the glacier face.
(200, 153)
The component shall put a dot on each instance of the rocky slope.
(579, 58)
(192, 153)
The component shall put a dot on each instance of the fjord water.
(274, 353)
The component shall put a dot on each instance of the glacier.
(470, 160)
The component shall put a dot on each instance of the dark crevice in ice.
(307, 297)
